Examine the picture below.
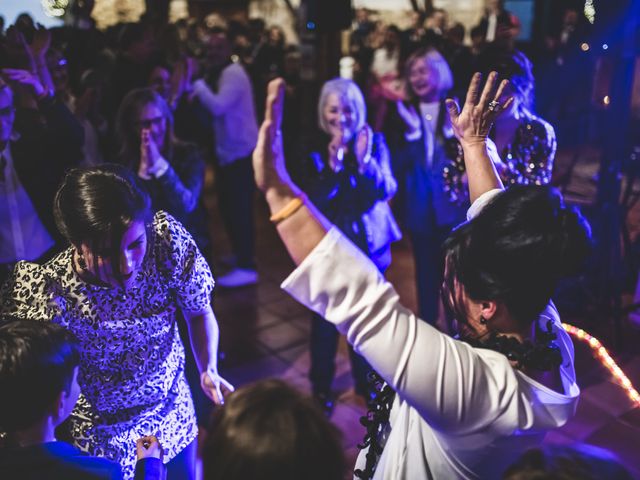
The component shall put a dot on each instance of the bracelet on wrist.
(289, 209)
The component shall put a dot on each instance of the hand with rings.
(472, 124)
(494, 106)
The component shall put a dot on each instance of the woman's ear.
(488, 309)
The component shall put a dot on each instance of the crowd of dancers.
(109, 340)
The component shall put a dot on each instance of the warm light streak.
(602, 355)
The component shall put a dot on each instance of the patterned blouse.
(132, 361)
(529, 159)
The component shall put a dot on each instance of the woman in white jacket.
(467, 407)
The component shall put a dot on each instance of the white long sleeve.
(461, 412)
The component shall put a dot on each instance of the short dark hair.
(269, 430)
(37, 360)
(515, 251)
(96, 206)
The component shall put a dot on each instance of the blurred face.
(340, 116)
(152, 118)
(7, 115)
(160, 81)
(59, 72)
(424, 80)
(219, 50)
(133, 248)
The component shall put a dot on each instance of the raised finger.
(275, 101)
(452, 108)
(488, 91)
(501, 88)
(473, 90)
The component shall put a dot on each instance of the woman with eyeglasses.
(172, 172)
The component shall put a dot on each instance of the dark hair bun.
(518, 247)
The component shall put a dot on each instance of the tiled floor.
(264, 333)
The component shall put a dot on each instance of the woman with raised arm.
(465, 407)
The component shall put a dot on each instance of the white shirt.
(460, 412)
(429, 113)
(492, 26)
(22, 234)
(234, 122)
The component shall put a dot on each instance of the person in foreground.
(463, 409)
(120, 288)
(268, 430)
(39, 366)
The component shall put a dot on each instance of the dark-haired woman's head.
(143, 109)
(269, 430)
(104, 213)
(505, 263)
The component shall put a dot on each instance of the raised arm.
(471, 126)
(305, 227)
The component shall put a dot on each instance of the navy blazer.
(355, 202)
(422, 200)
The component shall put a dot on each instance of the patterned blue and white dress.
(132, 362)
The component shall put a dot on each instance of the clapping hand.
(362, 147)
(151, 161)
(472, 125)
(337, 151)
(409, 116)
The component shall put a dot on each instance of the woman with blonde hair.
(422, 146)
(348, 177)
(464, 407)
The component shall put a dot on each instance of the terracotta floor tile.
(589, 418)
(610, 397)
(281, 336)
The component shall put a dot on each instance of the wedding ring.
(494, 106)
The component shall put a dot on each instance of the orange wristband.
(289, 209)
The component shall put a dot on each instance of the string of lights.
(605, 359)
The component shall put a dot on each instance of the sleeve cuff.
(481, 202)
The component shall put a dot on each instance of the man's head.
(7, 113)
(38, 374)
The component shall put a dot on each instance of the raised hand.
(473, 123)
(40, 43)
(25, 79)
(268, 156)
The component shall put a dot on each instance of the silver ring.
(494, 106)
